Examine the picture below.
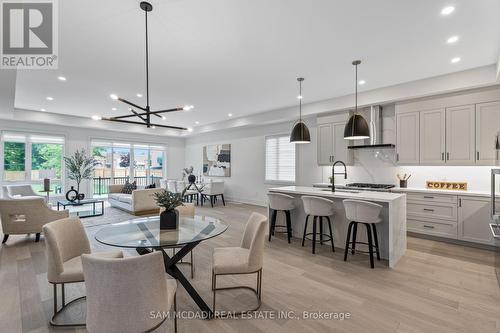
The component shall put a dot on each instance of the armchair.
(18, 191)
(26, 215)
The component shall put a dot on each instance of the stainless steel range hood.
(373, 116)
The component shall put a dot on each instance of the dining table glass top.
(145, 232)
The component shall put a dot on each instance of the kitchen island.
(391, 232)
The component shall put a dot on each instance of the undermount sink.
(347, 191)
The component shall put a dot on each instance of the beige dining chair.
(245, 259)
(66, 241)
(131, 294)
(26, 215)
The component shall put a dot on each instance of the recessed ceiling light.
(43, 110)
(163, 118)
(190, 129)
(113, 109)
(113, 96)
(455, 60)
(229, 114)
(196, 122)
(300, 97)
(452, 39)
(361, 82)
(188, 107)
(153, 127)
(61, 78)
(139, 95)
(447, 10)
(50, 98)
(96, 117)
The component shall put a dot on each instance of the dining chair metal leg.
(257, 291)
(63, 295)
(223, 201)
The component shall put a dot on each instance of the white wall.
(246, 183)
(77, 138)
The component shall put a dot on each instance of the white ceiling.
(242, 57)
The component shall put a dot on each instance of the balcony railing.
(100, 184)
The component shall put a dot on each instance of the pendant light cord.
(356, 89)
(300, 101)
(147, 62)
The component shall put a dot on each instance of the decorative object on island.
(169, 218)
(217, 160)
(145, 116)
(437, 185)
(357, 127)
(403, 180)
(79, 166)
(300, 132)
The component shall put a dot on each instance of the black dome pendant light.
(300, 132)
(357, 127)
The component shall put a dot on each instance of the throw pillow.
(129, 187)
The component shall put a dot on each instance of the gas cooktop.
(371, 186)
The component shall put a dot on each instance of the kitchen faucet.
(338, 173)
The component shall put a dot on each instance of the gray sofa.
(140, 202)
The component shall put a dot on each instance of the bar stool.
(368, 213)
(318, 208)
(283, 203)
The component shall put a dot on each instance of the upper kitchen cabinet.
(432, 137)
(487, 131)
(407, 138)
(331, 144)
(460, 135)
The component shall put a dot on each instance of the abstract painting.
(217, 160)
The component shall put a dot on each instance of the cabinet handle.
(428, 226)
(459, 202)
(428, 210)
(442, 156)
(428, 197)
(447, 156)
(477, 155)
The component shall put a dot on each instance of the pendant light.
(357, 127)
(300, 132)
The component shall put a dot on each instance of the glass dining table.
(144, 235)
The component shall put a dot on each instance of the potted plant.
(169, 218)
(79, 166)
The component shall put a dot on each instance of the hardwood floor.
(436, 287)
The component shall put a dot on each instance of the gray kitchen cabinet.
(460, 135)
(474, 219)
(432, 137)
(407, 138)
(331, 144)
(487, 129)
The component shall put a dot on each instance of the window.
(280, 159)
(32, 158)
(119, 161)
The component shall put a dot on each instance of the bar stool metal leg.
(348, 240)
(314, 234)
(355, 233)
(305, 230)
(321, 230)
(273, 222)
(376, 240)
(288, 225)
(370, 243)
(331, 234)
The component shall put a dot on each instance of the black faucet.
(338, 173)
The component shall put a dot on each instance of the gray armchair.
(19, 191)
(26, 215)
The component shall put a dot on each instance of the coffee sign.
(435, 185)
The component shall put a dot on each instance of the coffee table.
(77, 203)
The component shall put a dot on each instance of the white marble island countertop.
(339, 193)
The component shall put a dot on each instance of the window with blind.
(280, 159)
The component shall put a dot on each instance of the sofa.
(140, 202)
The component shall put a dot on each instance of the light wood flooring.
(436, 287)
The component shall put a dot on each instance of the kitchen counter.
(448, 192)
(391, 232)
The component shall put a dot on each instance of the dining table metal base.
(172, 269)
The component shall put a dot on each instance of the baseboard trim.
(247, 201)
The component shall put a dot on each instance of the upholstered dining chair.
(127, 295)
(26, 215)
(245, 259)
(66, 241)
(185, 210)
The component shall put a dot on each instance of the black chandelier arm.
(138, 115)
(131, 104)
(139, 123)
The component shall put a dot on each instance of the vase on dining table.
(169, 219)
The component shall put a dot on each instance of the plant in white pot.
(169, 218)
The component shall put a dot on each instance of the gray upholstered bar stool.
(280, 203)
(318, 208)
(368, 213)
